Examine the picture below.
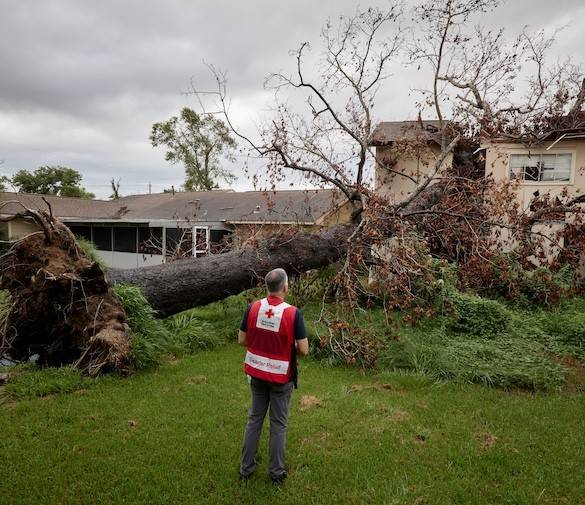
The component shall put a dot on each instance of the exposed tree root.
(62, 306)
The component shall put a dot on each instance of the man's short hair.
(276, 280)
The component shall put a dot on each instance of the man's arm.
(301, 340)
(242, 336)
(303, 346)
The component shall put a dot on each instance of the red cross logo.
(269, 313)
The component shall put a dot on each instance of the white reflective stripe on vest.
(275, 366)
(269, 316)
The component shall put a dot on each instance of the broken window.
(219, 241)
(541, 167)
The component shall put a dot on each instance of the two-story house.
(555, 166)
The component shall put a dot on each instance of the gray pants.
(277, 396)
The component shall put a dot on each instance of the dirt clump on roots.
(63, 309)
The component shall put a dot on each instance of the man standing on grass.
(273, 332)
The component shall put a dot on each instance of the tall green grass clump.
(90, 251)
(189, 334)
(184, 333)
(150, 336)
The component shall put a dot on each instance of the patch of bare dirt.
(316, 439)
(196, 379)
(400, 415)
(308, 402)
(356, 388)
(486, 440)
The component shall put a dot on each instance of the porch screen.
(102, 238)
(125, 239)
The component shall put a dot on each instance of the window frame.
(201, 252)
(540, 153)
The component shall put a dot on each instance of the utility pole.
(149, 188)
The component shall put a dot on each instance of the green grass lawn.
(172, 435)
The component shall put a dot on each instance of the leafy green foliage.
(198, 142)
(476, 316)
(51, 180)
(507, 278)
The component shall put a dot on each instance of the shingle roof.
(299, 206)
(387, 132)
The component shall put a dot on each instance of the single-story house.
(149, 229)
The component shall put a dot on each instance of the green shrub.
(5, 307)
(503, 363)
(568, 327)
(478, 316)
(508, 279)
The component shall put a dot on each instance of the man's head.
(276, 282)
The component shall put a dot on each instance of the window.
(102, 238)
(125, 239)
(541, 167)
(150, 240)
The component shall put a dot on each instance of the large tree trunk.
(187, 283)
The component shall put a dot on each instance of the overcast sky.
(83, 81)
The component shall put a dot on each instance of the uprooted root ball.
(62, 306)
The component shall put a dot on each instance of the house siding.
(396, 187)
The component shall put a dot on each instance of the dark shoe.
(245, 478)
(278, 481)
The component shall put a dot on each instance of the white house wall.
(114, 259)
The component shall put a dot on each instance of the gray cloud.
(82, 82)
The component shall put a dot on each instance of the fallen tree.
(63, 308)
(187, 283)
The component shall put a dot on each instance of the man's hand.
(303, 346)
(242, 338)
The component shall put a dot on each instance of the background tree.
(198, 142)
(51, 180)
(115, 189)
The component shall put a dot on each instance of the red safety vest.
(270, 335)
